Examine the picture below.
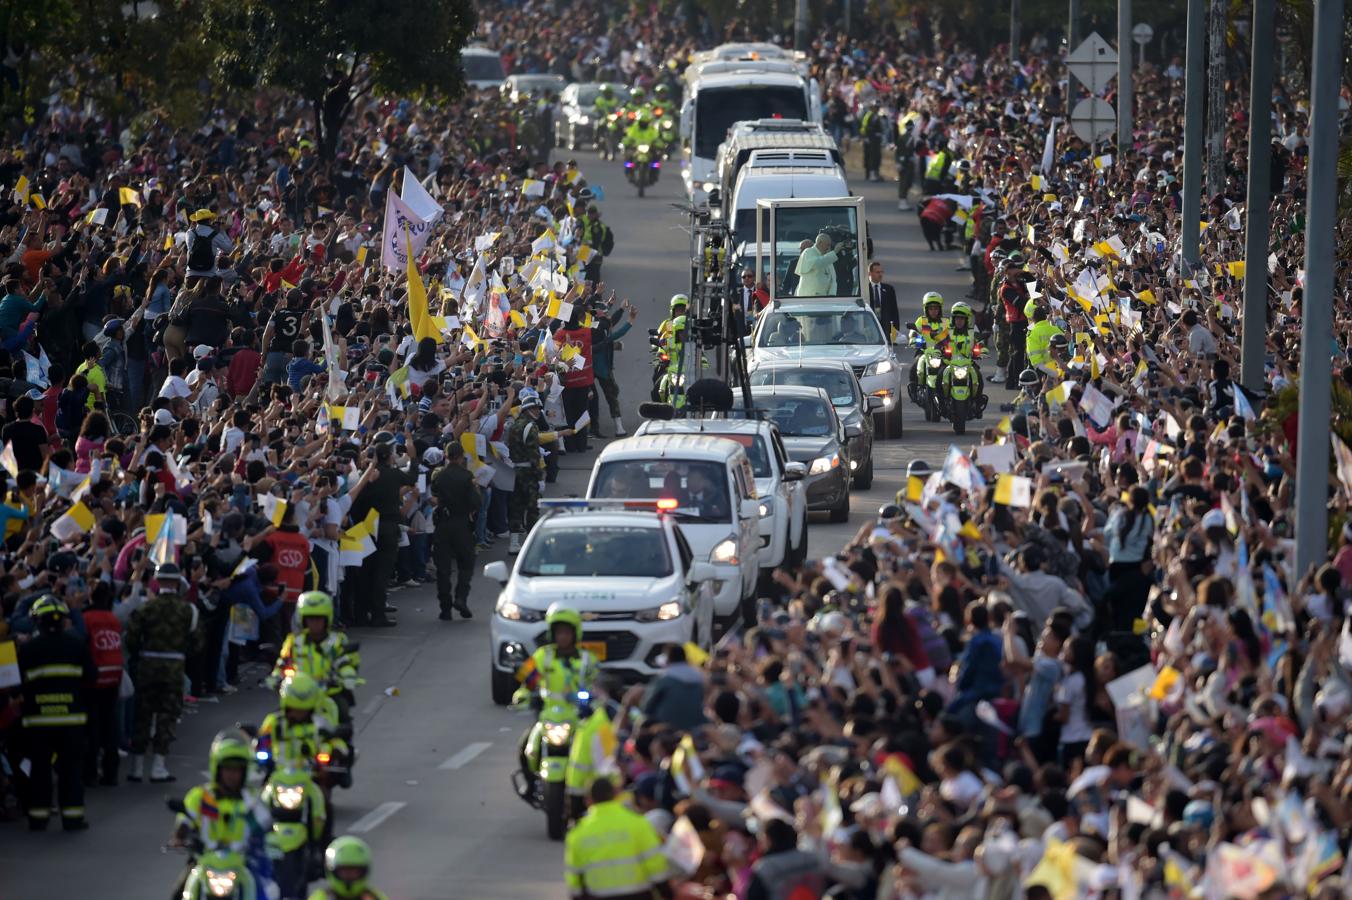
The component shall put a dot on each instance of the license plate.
(596, 648)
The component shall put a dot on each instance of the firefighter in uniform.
(347, 865)
(157, 642)
(320, 652)
(614, 852)
(458, 504)
(55, 666)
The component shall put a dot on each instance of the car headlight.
(823, 464)
(513, 612)
(724, 552)
(220, 884)
(767, 507)
(557, 733)
(289, 797)
(959, 374)
(583, 120)
(642, 148)
(708, 186)
(881, 367)
(664, 613)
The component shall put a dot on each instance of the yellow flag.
(1005, 426)
(1164, 683)
(1036, 182)
(1147, 297)
(168, 242)
(902, 774)
(969, 530)
(38, 201)
(552, 308)
(361, 256)
(418, 312)
(128, 196)
(695, 654)
(517, 319)
(470, 444)
(915, 488)
(1236, 268)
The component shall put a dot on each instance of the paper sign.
(1014, 490)
(351, 418)
(999, 457)
(582, 421)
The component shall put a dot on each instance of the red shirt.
(243, 371)
(291, 274)
(581, 339)
(105, 645)
(49, 409)
(291, 556)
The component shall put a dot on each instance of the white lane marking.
(505, 728)
(464, 757)
(376, 817)
(371, 707)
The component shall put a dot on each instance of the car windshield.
(482, 68)
(755, 451)
(610, 552)
(721, 108)
(818, 328)
(798, 416)
(587, 94)
(538, 84)
(838, 384)
(699, 488)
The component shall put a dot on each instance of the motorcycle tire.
(641, 181)
(932, 413)
(958, 414)
(556, 810)
(290, 874)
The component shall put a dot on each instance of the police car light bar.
(665, 504)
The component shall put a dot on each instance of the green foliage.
(332, 51)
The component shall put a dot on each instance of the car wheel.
(841, 511)
(863, 479)
(503, 686)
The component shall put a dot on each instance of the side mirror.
(750, 509)
(746, 342)
(497, 571)
(854, 431)
(699, 573)
(795, 471)
(875, 403)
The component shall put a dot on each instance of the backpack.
(607, 240)
(202, 252)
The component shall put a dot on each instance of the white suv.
(779, 482)
(627, 570)
(811, 330)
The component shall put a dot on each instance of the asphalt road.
(432, 792)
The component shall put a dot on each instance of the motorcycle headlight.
(767, 507)
(557, 733)
(642, 148)
(881, 367)
(724, 552)
(959, 374)
(823, 464)
(220, 884)
(708, 186)
(935, 362)
(583, 120)
(290, 797)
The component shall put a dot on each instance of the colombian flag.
(529, 674)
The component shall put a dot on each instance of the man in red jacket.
(291, 556)
(579, 378)
(244, 364)
(105, 644)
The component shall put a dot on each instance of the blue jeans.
(481, 521)
(413, 558)
(274, 367)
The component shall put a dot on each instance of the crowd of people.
(1072, 660)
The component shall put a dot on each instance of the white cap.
(202, 351)
(1214, 518)
(165, 417)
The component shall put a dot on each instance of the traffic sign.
(1093, 120)
(1093, 63)
(1142, 34)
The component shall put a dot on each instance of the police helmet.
(1059, 342)
(679, 300)
(558, 614)
(1028, 378)
(918, 468)
(315, 603)
(229, 746)
(347, 852)
(888, 512)
(300, 691)
(933, 297)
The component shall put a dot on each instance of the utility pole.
(1014, 31)
(800, 25)
(1253, 344)
(1216, 106)
(1072, 41)
(1124, 84)
(1316, 319)
(1192, 135)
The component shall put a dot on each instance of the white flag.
(415, 195)
(1048, 149)
(402, 225)
(334, 389)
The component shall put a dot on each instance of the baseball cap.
(1214, 518)
(165, 417)
(201, 351)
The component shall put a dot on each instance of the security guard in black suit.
(55, 665)
(458, 502)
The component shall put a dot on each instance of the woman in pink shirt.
(90, 442)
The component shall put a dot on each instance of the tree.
(332, 52)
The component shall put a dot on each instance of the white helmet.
(528, 397)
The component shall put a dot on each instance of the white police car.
(623, 565)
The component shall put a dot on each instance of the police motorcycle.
(547, 757)
(642, 165)
(217, 875)
(929, 380)
(960, 397)
(609, 132)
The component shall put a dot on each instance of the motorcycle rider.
(674, 347)
(225, 815)
(320, 652)
(294, 738)
(962, 340)
(56, 665)
(677, 306)
(554, 676)
(637, 105)
(933, 328)
(606, 130)
(642, 133)
(347, 865)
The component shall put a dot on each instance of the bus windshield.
(718, 109)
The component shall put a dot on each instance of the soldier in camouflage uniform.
(524, 438)
(157, 640)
